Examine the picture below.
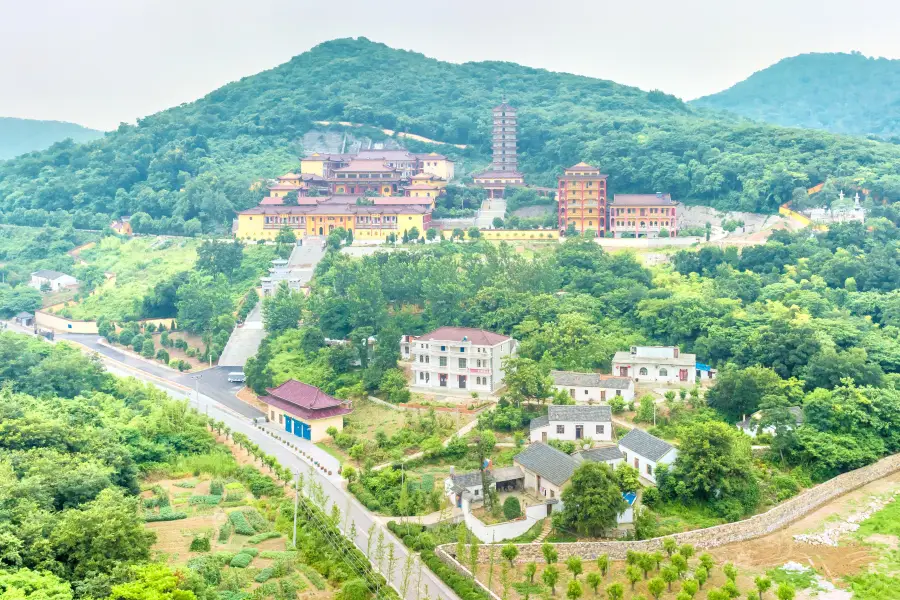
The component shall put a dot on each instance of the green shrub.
(512, 509)
(261, 537)
(256, 520)
(200, 544)
(314, 578)
(216, 488)
(165, 514)
(225, 531)
(251, 551)
(233, 485)
(205, 500)
(185, 484)
(264, 575)
(240, 523)
(241, 560)
(235, 496)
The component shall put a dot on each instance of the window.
(442, 361)
(421, 376)
(601, 429)
(560, 429)
(462, 363)
(443, 348)
(643, 371)
(585, 392)
(462, 349)
(475, 492)
(663, 372)
(649, 469)
(281, 419)
(618, 392)
(272, 413)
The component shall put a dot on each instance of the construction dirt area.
(832, 562)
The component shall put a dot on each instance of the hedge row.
(164, 514)
(261, 537)
(241, 525)
(205, 500)
(241, 560)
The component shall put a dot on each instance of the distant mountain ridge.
(841, 93)
(199, 161)
(18, 136)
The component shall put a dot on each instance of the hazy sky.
(100, 62)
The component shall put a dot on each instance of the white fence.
(508, 530)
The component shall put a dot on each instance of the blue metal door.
(287, 424)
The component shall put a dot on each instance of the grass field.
(138, 265)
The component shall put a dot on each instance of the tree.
(633, 574)
(101, 534)
(706, 561)
(656, 587)
(354, 589)
(512, 508)
(25, 584)
(785, 592)
(483, 442)
(550, 554)
(285, 239)
(763, 584)
(730, 571)
(738, 392)
(497, 223)
(550, 577)
(509, 552)
(701, 575)
(282, 310)
(394, 385)
(431, 234)
(147, 349)
(615, 591)
(669, 575)
(670, 546)
(690, 587)
(473, 233)
(526, 380)
(215, 257)
(603, 563)
(592, 501)
(686, 550)
(574, 591)
(530, 570)
(201, 300)
(627, 477)
(594, 580)
(679, 564)
(573, 563)
(152, 582)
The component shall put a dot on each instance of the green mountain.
(18, 136)
(198, 160)
(842, 93)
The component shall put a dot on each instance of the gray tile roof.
(464, 480)
(48, 274)
(579, 412)
(604, 454)
(539, 422)
(506, 474)
(642, 443)
(473, 478)
(571, 378)
(551, 464)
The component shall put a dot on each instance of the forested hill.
(842, 93)
(197, 160)
(18, 136)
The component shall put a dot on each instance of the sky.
(103, 62)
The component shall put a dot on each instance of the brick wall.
(774, 519)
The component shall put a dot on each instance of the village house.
(663, 364)
(581, 191)
(644, 452)
(305, 410)
(53, 281)
(546, 469)
(610, 455)
(468, 486)
(751, 425)
(589, 388)
(461, 358)
(572, 423)
(122, 226)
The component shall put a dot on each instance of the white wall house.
(664, 364)
(751, 425)
(546, 469)
(573, 422)
(52, 279)
(644, 452)
(593, 388)
(458, 358)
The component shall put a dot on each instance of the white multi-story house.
(644, 452)
(573, 422)
(460, 358)
(590, 388)
(665, 364)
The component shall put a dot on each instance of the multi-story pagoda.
(504, 169)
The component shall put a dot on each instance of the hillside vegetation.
(197, 160)
(842, 93)
(18, 136)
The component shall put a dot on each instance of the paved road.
(352, 512)
(490, 208)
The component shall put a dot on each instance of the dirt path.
(778, 548)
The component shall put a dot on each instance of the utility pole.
(296, 504)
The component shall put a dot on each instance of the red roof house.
(305, 410)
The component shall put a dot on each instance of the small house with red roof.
(458, 358)
(304, 410)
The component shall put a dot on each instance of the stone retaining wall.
(756, 526)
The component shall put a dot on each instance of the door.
(443, 380)
(287, 424)
(538, 484)
(544, 436)
(321, 231)
(579, 432)
(462, 382)
(637, 464)
(549, 509)
(682, 374)
(623, 371)
(602, 395)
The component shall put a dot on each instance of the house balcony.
(300, 225)
(376, 226)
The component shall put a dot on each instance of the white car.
(237, 377)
